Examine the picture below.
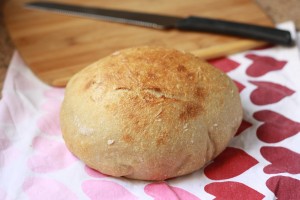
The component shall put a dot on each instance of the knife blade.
(191, 23)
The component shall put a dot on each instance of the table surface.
(278, 12)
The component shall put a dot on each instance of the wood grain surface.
(282, 11)
(56, 46)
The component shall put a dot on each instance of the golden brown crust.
(149, 113)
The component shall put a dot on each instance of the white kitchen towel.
(261, 162)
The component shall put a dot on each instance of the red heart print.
(240, 86)
(224, 64)
(276, 127)
(244, 125)
(263, 64)
(284, 187)
(162, 191)
(230, 163)
(281, 159)
(268, 93)
(233, 191)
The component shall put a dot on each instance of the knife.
(191, 23)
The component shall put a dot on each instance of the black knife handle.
(267, 34)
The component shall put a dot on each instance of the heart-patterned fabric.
(261, 162)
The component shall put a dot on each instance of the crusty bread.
(149, 113)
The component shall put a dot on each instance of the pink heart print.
(47, 189)
(261, 65)
(103, 189)
(8, 152)
(230, 163)
(275, 127)
(233, 191)
(2, 194)
(268, 93)
(282, 160)
(284, 187)
(13, 111)
(93, 173)
(224, 64)
(49, 155)
(49, 122)
(162, 191)
(56, 93)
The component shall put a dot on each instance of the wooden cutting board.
(55, 46)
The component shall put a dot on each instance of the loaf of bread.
(149, 113)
